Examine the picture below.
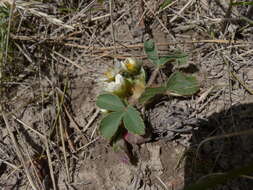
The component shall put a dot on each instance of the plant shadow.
(220, 155)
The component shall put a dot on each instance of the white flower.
(115, 85)
(112, 72)
(120, 86)
(125, 78)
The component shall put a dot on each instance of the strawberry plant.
(119, 112)
(125, 85)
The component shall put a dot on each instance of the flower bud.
(131, 66)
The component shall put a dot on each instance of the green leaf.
(181, 58)
(150, 93)
(110, 124)
(242, 3)
(165, 3)
(151, 51)
(177, 58)
(180, 84)
(110, 102)
(133, 121)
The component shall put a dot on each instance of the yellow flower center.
(130, 66)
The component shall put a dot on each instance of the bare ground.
(51, 85)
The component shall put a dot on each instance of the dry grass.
(49, 124)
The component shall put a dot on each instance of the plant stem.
(153, 77)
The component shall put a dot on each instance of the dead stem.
(18, 151)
